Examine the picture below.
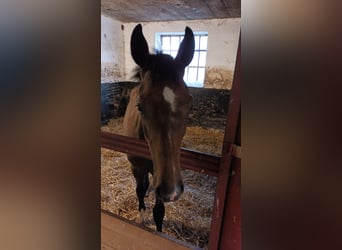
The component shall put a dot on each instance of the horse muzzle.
(169, 196)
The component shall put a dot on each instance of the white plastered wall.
(112, 50)
(223, 35)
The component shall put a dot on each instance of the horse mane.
(136, 74)
(160, 65)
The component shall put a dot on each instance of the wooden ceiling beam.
(170, 10)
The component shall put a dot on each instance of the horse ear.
(186, 48)
(139, 46)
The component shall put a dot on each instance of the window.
(169, 43)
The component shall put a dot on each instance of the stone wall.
(114, 99)
(210, 106)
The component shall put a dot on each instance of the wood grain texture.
(119, 234)
(170, 10)
(230, 138)
(190, 159)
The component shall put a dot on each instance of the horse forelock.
(162, 69)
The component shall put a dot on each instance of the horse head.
(164, 102)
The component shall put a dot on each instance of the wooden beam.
(118, 233)
(190, 159)
(224, 8)
(230, 138)
(231, 228)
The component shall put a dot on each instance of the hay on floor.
(187, 219)
(207, 140)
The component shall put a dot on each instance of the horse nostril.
(162, 193)
(158, 190)
(182, 188)
(167, 195)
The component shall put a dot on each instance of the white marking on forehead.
(170, 97)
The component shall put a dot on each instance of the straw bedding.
(187, 219)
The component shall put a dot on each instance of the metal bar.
(190, 159)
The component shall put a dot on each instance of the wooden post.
(226, 159)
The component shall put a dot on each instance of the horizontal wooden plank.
(118, 233)
(190, 159)
(167, 10)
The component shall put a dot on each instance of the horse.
(157, 112)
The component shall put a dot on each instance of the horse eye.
(139, 108)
